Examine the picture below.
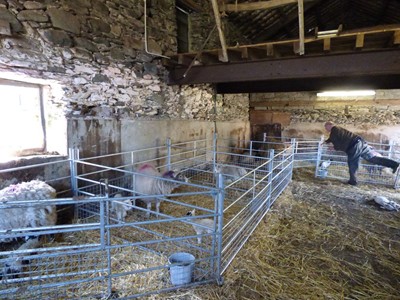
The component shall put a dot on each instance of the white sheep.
(26, 216)
(204, 225)
(121, 208)
(152, 182)
(385, 203)
(230, 172)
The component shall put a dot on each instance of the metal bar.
(168, 142)
(220, 201)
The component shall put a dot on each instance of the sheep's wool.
(32, 214)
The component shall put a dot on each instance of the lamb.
(324, 165)
(204, 225)
(231, 172)
(147, 183)
(121, 208)
(25, 217)
(385, 203)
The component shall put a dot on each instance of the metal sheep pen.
(95, 254)
(367, 172)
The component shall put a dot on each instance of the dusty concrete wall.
(97, 137)
(377, 118)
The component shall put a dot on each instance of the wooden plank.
(359, 41)
(217, 16)
(255, 5)
(378, 29)
(301, 26)
(296, 47)
(396, 37)
(327, 44)
(270, 50)
(245, 53)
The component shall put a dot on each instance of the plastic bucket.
(182, 267)
(322, 173)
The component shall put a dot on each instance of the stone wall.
(92, 56)
(96, 51)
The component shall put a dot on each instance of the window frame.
(39, 87)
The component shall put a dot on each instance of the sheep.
(151, 182)
(25, 217)
(120, 208)
(230, 172)
(385, 203)
(324, 165)
(204, 225)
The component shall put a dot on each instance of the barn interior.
(105, 77)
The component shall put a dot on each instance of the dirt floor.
(323, 239)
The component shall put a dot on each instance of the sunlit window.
(21, 120)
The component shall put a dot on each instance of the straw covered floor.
(323, 239)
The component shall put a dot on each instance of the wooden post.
(301, 26)
(224, 57)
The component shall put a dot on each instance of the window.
(182, 21)
(22, 119)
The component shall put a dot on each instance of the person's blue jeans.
(362, 150)
(353, 158)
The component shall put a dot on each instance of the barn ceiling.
(339, 44)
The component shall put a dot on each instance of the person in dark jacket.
(356, 148)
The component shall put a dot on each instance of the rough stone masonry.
(96, 51)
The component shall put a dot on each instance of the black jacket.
(341, 138)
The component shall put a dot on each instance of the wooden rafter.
(301, 26)
(255, 5)
(191, 5)
(224, 56)
(273, 49)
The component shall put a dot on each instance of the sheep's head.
(218, 168)
(191, 213)
(176, 175)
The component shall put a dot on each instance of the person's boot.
(394, 169)
(386, 162)
(352, 182)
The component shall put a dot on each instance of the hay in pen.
(323, 239)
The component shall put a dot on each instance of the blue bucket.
(181, 269)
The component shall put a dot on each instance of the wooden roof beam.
(255, 5)
(217, 16)
(353, 64)
(301, 26)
